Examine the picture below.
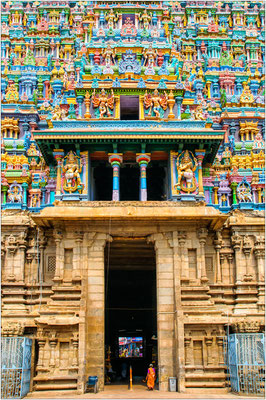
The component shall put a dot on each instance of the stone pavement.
(138, 392)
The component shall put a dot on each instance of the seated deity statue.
(15, 194)
(244, 193)
(57, 114)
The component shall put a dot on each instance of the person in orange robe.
(150, 377)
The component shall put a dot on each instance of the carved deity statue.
(15, 193)
(111, 19)
(149, 56)
(258, 142)
(186, 165)
(58, 113)
(12, 94)
(103, 102)
(109, 55)
(145, 17)
(72, 169)
(156, 103)
(243, 192)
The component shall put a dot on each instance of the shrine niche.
(184, 174)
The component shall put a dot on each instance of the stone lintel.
(131, 211)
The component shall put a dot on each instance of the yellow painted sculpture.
(186, 167)
(72, 170)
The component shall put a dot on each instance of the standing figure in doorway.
(150, 377)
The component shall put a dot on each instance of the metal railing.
(15, 366)
(244, 356)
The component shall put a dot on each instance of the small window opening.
(129, 107)
(131, 16)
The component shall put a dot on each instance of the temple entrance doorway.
(130, 310)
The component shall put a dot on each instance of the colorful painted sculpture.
(155, 103)
(104, 103)
(186, 165)
(72, 169)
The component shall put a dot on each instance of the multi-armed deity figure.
(156, 103)
(72, 170)
(186, 165)
(145, 17)
(103, 102)
(109, 55)
(149, 56)
(111, 18)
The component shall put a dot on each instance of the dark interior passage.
(103, 182)
(129, 107)
(130, 309)
(129, 182)
(156, 182)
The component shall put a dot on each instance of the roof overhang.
(175, 134)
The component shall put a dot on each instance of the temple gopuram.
(133, 192)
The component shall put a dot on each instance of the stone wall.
(210, 277)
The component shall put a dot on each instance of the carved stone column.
(188, 350)
(3, 254)
(11, 246)
(94, 308)
(220, 343)
(58, 235)
(208, 341)
(29, 258)
(184, 267)
(247, 246)
(52, 342)
(236, 243)
(259, 251)
(41, 343)
(222, 266)
(179, 350)
(218, 245)
(22, 245)
(78, 251)
(202, 235)
(42, 243)
(166, 318)
(230, 259)
(75, 344)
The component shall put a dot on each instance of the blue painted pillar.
(43, 196)
(80, 101)
(115, 160)
(143, 160)
(179, 102)
(24, 201)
